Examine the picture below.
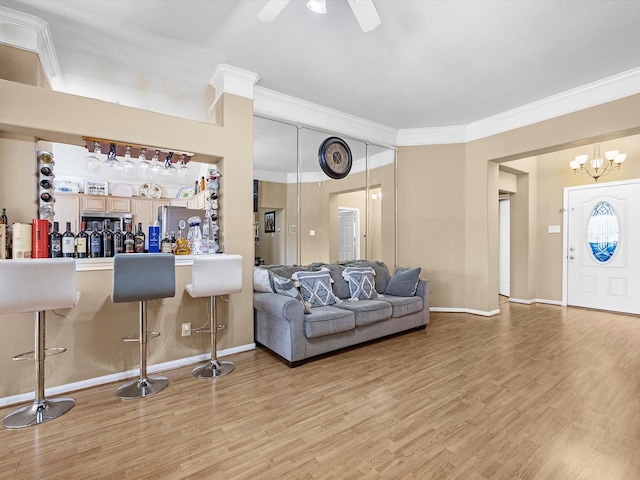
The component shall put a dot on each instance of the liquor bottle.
(82, 241)
(202, 184)
(95, 242)
(196, 188)
(173, 241)
(107, 239)
(182, 246)
(68, 242)
(165, 244)
(118, 241)
(139, 238)
(129, 240)
(3, 218)
(55, 242)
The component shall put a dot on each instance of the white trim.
(523, 301)
(229, 79)
(431, 136)
(115, 377)
(549, 302)
(30, 33)
(465, 310)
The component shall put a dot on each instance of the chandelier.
(598, 167)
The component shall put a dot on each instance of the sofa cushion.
(340, 285)
(404, 282)
(382, 272)
(261, 281)
(327, 321)
(361, 282)
(285, 286)
(368, 311)
(403, 305)
(315, 287)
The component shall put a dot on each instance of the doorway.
(348, 233)
(602, 255)
(504, 220)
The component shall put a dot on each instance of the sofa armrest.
(424, 290)
(279, 306)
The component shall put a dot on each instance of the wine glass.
(169, 169)
(112, 161)
(156, 167)
(93, 162)
(144, 165)
(128, 167)
(183, 171)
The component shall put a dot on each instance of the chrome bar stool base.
(214, 368)
(38, 412)
(142, 388)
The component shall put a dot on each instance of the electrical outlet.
(186, 329)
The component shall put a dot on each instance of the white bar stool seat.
(138, 277)
(214, 275)
(37, 285)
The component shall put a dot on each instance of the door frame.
(356, 229)
(565, 226)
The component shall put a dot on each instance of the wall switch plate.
(186, 329)
(553, 228)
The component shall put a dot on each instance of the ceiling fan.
(364, 11)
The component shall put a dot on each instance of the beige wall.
(22, 66)
(59, 117)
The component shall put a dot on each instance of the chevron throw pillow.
(315, 287)
(362, 284)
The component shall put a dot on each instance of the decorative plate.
(149, 190)
(334, 156)
(122, 190)
(185, 192)
(66, 186)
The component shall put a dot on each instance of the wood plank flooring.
(537, 392)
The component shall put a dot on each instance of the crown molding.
(272, 104)
(229, 79)
(30, 33)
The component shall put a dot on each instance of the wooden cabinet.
(94, 203)
(145, 210)
(199, 201)
(118, 205)
(67, 209)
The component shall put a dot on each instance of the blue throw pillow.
(286, 286)
(362, 285)
(315, 287)
(404, 282)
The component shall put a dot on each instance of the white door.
(603, 246)
(348, 234)
(505, 247)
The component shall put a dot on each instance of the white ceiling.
(429, 64)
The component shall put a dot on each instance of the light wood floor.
(536, 392)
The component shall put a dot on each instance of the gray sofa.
(282, 326)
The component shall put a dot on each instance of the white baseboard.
(535, 300)
(115, 377)
(465, 310)
(523, 301)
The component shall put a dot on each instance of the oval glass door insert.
(602, 232)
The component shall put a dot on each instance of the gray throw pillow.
(286, 286)
(362, 285)
(261, 281)
(404, 282)
(315, 287)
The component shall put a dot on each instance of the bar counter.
(91, 264)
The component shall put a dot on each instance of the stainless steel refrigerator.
(168, 217)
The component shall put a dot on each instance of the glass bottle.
(55, 242)
(107, 239)
(182, 246)
(3, 218)
(95, 242)
(173, 241)
(129, 240)
(118, 240)
(165, 244)
(82, 240)
(139, 238)
(68, 242)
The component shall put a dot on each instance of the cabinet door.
(119, 205)
(94, 203)
(67, 210)
(142, 210)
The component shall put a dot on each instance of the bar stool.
(138, 277)
(214, 275)
(36, 285)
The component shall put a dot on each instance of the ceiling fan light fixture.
(318, 6)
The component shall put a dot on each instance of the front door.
(603, 246)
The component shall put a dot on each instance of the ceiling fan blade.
(271, 10)
(366, 14)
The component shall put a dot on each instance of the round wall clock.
(335, 158)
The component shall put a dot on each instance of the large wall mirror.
(318, 218)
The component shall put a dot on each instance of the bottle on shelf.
(118, 240)
(82, 241)
(4, 235)
(107, 239)
(182, 246)
(154, 238)
(196, 188)
(95, 242)
(202, 184)
(139, 239)
(68, 242)
(3, 218)
(173, 241)
(165, 244)
(129, 239)
(55, 242)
